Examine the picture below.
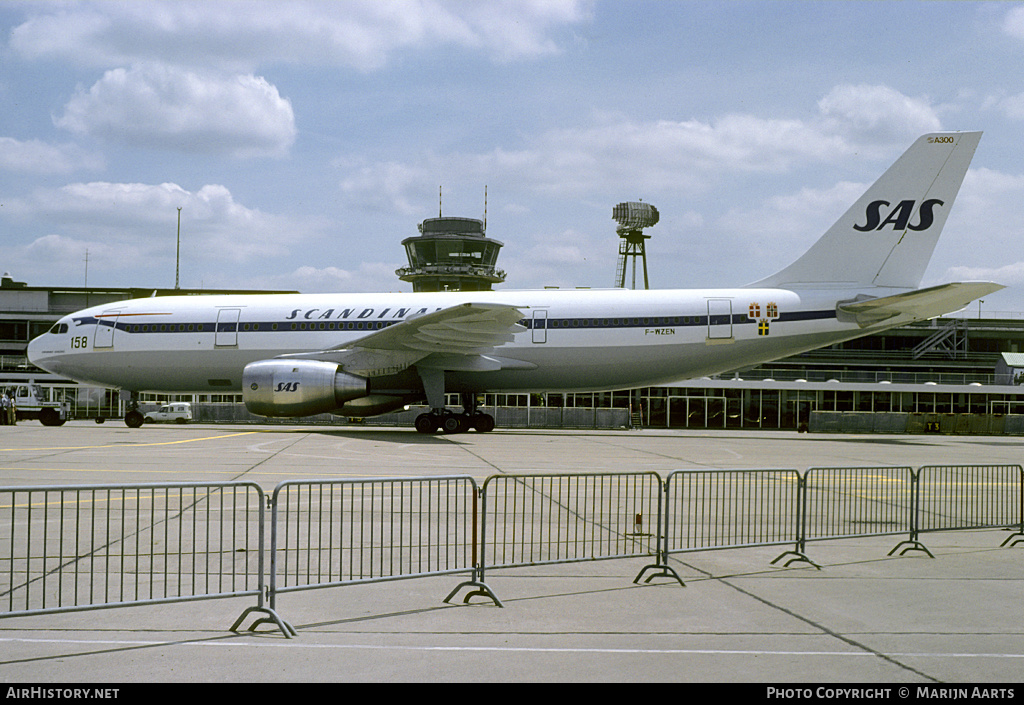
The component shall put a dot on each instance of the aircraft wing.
(455, 338)
(916, 305)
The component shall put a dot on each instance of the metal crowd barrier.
(99, 546)
(858, 501)
(85, 547)
(342, 532)
(562, 518)
(971, 497)
(717, 509)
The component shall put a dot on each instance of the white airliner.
(367, 354)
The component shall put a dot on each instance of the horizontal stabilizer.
(916, 305)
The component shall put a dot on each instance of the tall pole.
(177, 259)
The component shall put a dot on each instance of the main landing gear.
(439, 418)
(450, 422)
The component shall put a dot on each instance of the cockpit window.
(59, 328)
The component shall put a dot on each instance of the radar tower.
(633, 217)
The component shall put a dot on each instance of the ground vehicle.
(32, 402)
(178, 412)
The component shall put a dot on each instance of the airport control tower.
(451, 254)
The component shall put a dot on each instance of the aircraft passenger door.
(106, 324)
(719, 320)
(227, 327)
(540, 326)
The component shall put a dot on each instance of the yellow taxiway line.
(130, 445)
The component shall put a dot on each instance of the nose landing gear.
(133, 418)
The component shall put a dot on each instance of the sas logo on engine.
(899, 217)
(287, 387)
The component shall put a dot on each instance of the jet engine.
(298, 387)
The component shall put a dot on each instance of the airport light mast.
(177, 256)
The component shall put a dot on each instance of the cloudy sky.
(304, 140)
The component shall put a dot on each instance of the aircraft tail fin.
(887, 237)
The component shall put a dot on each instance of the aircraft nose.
(35, 349)
(40, 352)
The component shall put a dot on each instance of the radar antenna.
(633, 217)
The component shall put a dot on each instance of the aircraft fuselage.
(574, 339)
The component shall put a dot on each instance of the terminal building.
(948, 375)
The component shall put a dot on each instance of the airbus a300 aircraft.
(367, 354)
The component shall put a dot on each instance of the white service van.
(178, 412)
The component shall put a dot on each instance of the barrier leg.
(1013, 539)
(482, 590)
(911, 545)
(796, 556)
(664, 571)
(272, 616)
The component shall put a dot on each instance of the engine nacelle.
(298, 387)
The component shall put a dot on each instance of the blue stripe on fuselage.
(350, 326)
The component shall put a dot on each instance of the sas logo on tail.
(899, 217)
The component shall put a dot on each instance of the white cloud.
(512, 29)
(74, 261)
(38, 157)
(1007, 274)
(1010, 106)
(1013, 23)
(877, 114)
(388, 185)
(237, 36)
(310, 279)
(772, 232)
(87, 205)
(564, 259)
(983, 230)
(658, 156)
(163, 107)
(140, 220)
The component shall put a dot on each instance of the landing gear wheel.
(133, 419)
(426, 423)
(483, 423)
(454, 424)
